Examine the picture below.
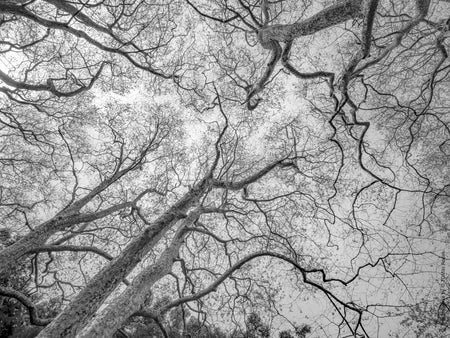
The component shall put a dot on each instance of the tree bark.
(12, 254)
(131, 300)
(39, 236)
(330, 16)
(68, 217)
(78, 313)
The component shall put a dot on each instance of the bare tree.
(153, 149)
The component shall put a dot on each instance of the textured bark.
(422, 7)
(271, 37)
(12, 254)
(370, 13)
(39, 236)
(11, 7)
(131, 300)
(65, 219)
(79, 312)
(328, 17)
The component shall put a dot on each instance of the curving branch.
(304, 273)
(28, 303)
(63, 26)
(275, 48)
(71, 214)
(271, 36)
(71, 248)
(138, 56)
(305, 76)
(195, 8)
(50, 86)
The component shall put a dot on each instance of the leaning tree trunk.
(65, 219)
(131, 300)
(78, 313)
(39, 236)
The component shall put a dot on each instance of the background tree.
(425, 320)
(16, 288)
(255, 327)
(11, 312)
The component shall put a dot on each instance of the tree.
(299, 332)
(255, 327)
(16, 287)
(175, 325)
(11, 313)
(285, 334)
(164, 151)
(423, 320)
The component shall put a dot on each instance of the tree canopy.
(242, 168)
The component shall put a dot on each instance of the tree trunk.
(131, 300)
(78, 313)
(61, 221)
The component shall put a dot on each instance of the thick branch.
(67, 218)
(24, 12)
(71, 248)
(270, 38)
(27, 302)
(329, 17)
(49, 86)
(237, 185)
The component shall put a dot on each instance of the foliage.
(285, 334)
(12, 314)
(428, 319)
(255, 328)
(178, 324)
(299, 332)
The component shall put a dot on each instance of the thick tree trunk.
(131, 300)
(78, 313)
(73, 318)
